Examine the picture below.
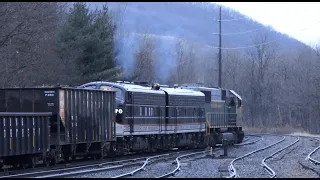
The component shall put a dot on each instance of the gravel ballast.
(291, 163)
(288, 163)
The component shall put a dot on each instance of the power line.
(244, 47)
(224, 20)
(269, 42)
(237, 19)
(243, 32)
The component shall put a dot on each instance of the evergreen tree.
(87, 39)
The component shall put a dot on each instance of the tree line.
(50, 43)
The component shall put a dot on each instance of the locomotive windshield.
(119, 92)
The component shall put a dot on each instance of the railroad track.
(266, 167)
(64, 172)
(309, 158)
(177, 158)
(95, 168)
(232, 170)
(139, 162)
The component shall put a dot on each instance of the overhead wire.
(243, 32)
(269, 42)
(237, 19)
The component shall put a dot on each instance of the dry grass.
(283, 130)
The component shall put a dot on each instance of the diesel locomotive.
(102, 119)
(159, 118)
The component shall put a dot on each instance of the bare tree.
(27, 39)
(144, 66)
(260, 58)
(187, 63)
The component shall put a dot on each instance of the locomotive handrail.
(26, 113)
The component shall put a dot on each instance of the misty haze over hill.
(191, 22)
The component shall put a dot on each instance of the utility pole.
(220, 64)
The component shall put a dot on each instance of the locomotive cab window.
(215, 95)
(207, 96)
(119, 92)
(90, 87)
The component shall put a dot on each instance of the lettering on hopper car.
(49, 93)
(118, 111)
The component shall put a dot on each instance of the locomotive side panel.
(146, 113)
(185, 111)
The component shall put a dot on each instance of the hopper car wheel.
(73, 158)
(53, 157)
(46, 162)
(32, 162)
(24, 165)
(103, 152)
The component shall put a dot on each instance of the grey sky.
(300, 20)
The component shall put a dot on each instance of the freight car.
(153, 119)
(49, 123)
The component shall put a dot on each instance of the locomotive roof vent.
(141, 83)
(124, 82)
(192, 85)
(163, 85)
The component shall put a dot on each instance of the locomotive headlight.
(119, 111)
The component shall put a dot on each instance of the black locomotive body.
(151, 119)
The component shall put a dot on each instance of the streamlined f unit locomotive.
(162, 118)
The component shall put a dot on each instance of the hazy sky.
(297, 19)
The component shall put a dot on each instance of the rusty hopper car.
(81, 123)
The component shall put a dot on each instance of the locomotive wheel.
(66, 158)
(73, 158)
